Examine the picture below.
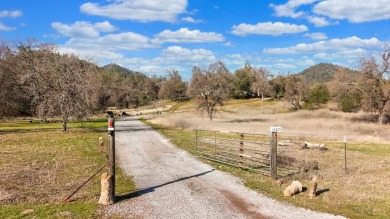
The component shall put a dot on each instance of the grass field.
(41, 165)
(362, 192)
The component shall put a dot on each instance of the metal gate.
(247, 151)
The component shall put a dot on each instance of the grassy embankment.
(41, 165)
(364, 192)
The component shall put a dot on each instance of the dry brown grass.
(258, 117)
(364, 189)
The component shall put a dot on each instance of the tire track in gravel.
(173, 184)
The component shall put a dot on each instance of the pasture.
(41, 165)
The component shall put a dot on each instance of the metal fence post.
(345, 153)
(273, 155)
(196, 142)
(215, 142)
(111, 134)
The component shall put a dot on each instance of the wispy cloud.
(316, 36)
(138, 10)
(289, 9)
(191, 20)
(355, 11)
(267, 28)
(318, 21)
(333, 44)
(112, 42)
(4, 27)
(11, 14)
(184, 35)
(83, 29)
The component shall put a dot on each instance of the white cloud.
(4, 27)
(267, 28)
(318, 21)
(288, 9)
(355, 11)
(191, 20)
(177, 53)
(12, 14)
(138, 10)
(334, 44)
(237, 60)
(305, 62)
(184, 35)
(283, 66)
(105, 26)
(95, 54)
(351, 54)
(82, 29)
(180, 58)
(228, 44)
(316, 36)
(121, 41)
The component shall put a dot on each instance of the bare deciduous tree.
(375, 84)
(11, 93)
(372, 82)
(261, 85)
(211, 87)
(343, 91)
(294, 90)
(173, 88)
(59, 85)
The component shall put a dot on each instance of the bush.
(351, 102)
(319, 94)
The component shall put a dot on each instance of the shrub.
(351, 102)
(319, 94)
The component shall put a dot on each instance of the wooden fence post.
(273, 155)
(241, 152)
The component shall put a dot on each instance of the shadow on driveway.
(153, 188)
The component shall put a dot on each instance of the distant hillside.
(124, 71)
(320, 73)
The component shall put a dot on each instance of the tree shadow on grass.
(319, 192)
(370, 118)
(248, 120)
(138, 193)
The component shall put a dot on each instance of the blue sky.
(153, 36)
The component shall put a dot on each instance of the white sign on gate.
(276, 129)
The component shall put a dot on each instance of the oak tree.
(211, 87)
(59, 85)
(294, 90)
(261, 84)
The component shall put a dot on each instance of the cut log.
(313, 187)
(106, 188)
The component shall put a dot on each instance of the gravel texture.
(173, 184)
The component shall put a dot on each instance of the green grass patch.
(184, 105)
(42, 165)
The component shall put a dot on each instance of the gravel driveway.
(173, 184)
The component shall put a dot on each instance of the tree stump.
(313, 187)
(106, 188)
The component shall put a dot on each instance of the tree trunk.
(381, 118)
(210, 114)
(64, 124)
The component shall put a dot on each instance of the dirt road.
(173, 184)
